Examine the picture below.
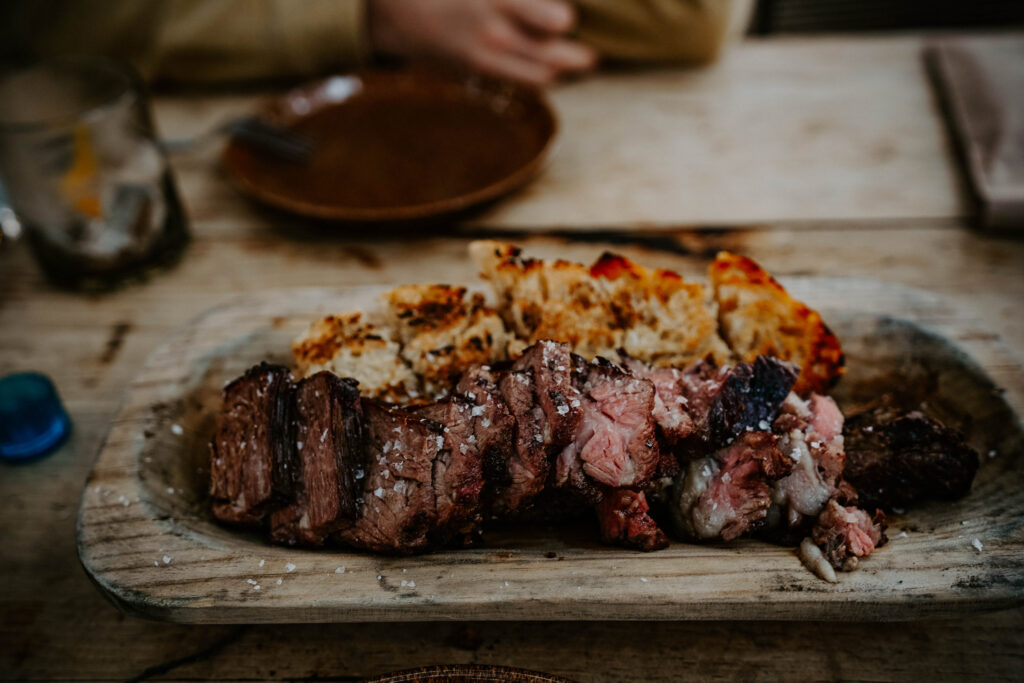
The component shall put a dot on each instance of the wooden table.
(813, 156)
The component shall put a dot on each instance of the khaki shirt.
(239, 40)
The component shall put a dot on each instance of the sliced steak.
(624, 520)
(615, 444)
(845, 535)
(493, 425)
(896, 459)
(398, 510)
(251, 445)
(810, 434)
(329, 458)
(728, 494)
(546, 407)
(705, 406)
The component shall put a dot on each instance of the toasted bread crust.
(757, 316)
(431, 334)
(614, 304)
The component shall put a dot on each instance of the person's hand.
(524, 40)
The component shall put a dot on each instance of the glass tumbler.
(84, 173)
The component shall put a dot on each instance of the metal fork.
(269, 137)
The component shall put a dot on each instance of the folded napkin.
(981, 83)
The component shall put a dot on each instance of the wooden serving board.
(147, 540)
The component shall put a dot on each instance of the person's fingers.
(564, 55)
(544, 16)
(505, 64)
(556, 54)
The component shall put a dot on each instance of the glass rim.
(127, 93)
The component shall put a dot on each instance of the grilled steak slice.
(897, 459)
(329, 454)
(728, 494)
(458, 476)
(847, 534)
(539, 392)
(493, 426)
(707, 405)
(398, 509)
(622, 516)
(615, 443)
(251, 444)
(810, 433)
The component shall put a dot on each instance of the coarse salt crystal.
(506, 584)
(280, 581)
(156, 563)
(256, 587)
(250, 581)
(763, 425)
(289, 567)
(485, 423)
(538, 438)
(323, 437)
(404, 583)
(563, 409)
(262, 562)
(339, 570)
(477, 411)
(643, 579)
(177, 430)
(166, 559)
(379, 492)
(992, 454)
(963, 522)
(977, 545)
(298, 444)
(379, 577)
(903, 534)
(412, 584)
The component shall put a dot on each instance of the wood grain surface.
(803, 129)
(56, 626)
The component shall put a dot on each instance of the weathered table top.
(821, 157)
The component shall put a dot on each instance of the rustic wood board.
(146, 539)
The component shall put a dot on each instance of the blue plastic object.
(33, 422)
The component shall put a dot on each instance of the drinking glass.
(84, 173)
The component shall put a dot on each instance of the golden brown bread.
(441, 333)
(615, 304)
(756, 316)
(429, 334)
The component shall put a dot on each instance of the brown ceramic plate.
(398, 145)
(473, 673)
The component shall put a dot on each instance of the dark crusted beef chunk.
(398, 509)
(251, 445)
(725, 495)
(896, 459)
(623, 519)
(546, 407)
(615, 443)
(707, 405)
(329, 453)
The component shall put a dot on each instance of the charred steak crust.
(251, 445)
(624, 520)
(751, 392)
(328, 454)
(896, 459)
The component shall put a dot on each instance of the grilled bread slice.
(756, 316)
(351, 346)
(615, 304)
(441, 332)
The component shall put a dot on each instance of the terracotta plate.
(398, 145)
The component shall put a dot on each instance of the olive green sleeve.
(199, 40)
(661, 30)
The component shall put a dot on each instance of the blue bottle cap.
(33, 422)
